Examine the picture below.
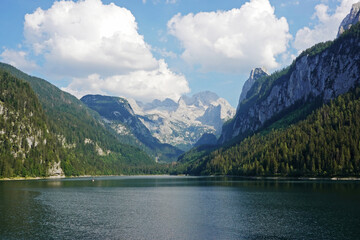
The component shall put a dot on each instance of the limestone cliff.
(255, 74)
(322, 72)
(351, 19)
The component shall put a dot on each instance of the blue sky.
(160, 48)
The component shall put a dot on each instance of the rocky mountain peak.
(255, 74)
(351, 19)
(201, 98)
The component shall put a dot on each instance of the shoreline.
(31, 178)
(82, 176)
(183, 175)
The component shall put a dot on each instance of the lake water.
(179, 208)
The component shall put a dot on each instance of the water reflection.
(179, 208)
(20, 214)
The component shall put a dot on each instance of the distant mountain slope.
(182, 123)
(91, 149)
(27, 148)
(118, 114)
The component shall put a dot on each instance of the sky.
(157, 49)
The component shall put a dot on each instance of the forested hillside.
(326, 143)
(27, 148)
(88, 147)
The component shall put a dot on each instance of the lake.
(179, 208)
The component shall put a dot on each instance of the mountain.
(118, 115)
(182, 123)
(255, 75)
(301, 121)
(90, 147)
(320, 73)
(27, 148)
(351, 19)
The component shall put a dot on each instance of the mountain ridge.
(118, 114)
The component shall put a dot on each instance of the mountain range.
(182, 123)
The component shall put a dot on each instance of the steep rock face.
(118, 114)
(181, 124)
(255, 74)
(351, 19)
(324, 71)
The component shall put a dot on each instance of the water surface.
(179, 208)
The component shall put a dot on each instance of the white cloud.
(17, 59)
(161, 83)
(86, 37)
(232, 41)
(327, 26)
(89, 38)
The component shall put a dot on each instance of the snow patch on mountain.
(182, 123)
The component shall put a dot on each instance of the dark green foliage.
(73, 124)
(26, 146)
(326, 143)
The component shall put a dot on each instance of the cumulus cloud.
(162, 82)
(17, 59)
(98, 44)
(87, 36)
(326, 27)
(232, 41)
